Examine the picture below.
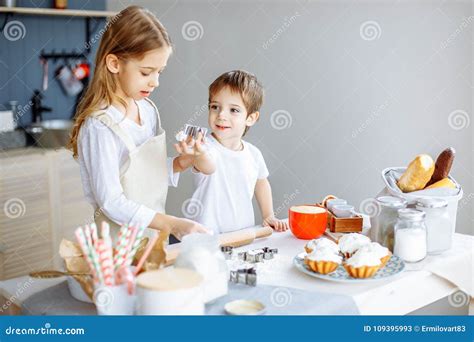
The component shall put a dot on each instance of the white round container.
(170, 291)
(114, 300)
(76, 290)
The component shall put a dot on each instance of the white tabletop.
(412, 289)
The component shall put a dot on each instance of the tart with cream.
(323, 260)
(321, 243)
(363, 264)
(351, 243)
(383, 253)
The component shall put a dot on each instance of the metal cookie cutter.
(191, 131)
(247, 276)
(268, 253)
(258, 255)
(227, 251)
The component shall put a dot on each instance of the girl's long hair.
(130, 34)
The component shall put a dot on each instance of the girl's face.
(228, 116)
(137, 78)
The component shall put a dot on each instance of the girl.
(117, 136)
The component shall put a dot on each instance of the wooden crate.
(343, 225)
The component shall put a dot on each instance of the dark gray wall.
(20, 69)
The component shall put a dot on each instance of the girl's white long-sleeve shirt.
(101, 154)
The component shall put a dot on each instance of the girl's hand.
(181, 227)
(276, 224)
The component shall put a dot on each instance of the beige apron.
(144, 177)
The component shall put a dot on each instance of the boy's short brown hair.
(244, 83)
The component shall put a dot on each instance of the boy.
(228, 170)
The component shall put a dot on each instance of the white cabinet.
(41, 201)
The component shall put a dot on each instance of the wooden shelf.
(56, 12)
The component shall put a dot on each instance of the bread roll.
(417, 174)
(444, 183)
(443, 165)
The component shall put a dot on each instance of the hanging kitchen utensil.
(81, 71)
(68, 81)
(44, 64)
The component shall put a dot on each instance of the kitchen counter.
(28, 150)
(414, 288)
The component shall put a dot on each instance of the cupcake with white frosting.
(383, 253)
(351, 243)
(363, 264)
(323, 260)
(321, 243)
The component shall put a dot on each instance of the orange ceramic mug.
(308, 221)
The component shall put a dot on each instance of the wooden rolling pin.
(235, 239)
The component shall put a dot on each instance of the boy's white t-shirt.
(222, 201)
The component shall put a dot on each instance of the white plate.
(393, 267)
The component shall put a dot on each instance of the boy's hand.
(191, 147)
(276, 224)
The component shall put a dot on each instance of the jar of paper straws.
(111, 265)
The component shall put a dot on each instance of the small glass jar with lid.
(410, 235)
(438, 224)
(384, 222)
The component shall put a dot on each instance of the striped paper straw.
(106, 262)
(131, 244)
(136, 244)
(105, 232)
(81, 239)
(95, 237)
(125, 276)
(122, 231)
(88, 234)
(93, 249)
(122, 248)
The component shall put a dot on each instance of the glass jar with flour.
(383, 223)
(438, 224)
(410, 235)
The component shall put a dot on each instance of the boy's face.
(139, 77)
(228, 116)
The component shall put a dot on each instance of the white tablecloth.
(419, 285)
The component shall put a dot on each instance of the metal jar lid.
(424, 203)
(391, 202)
(411, 214)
